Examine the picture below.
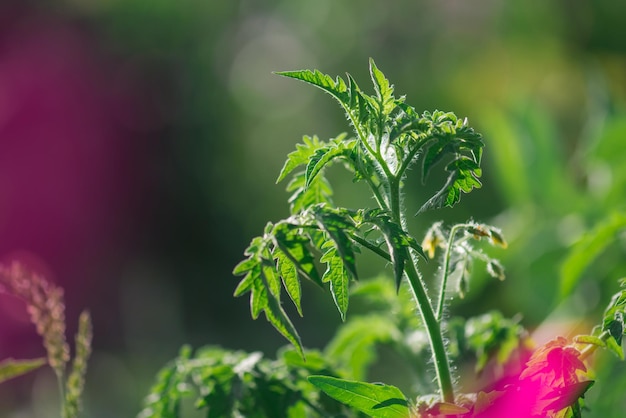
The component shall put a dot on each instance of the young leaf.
(337, 223)
(304, 196)
(259, 295)
(263, 283)
(464, 175)
(375, 400)
(339, 279)
(449, 136)
(323, 156)
(279, 319)
(11, 368)
(300, 156)
(384, 91)
(295, 247)
(289, 275)
(355, 103)
(358, 103)
(336, 88)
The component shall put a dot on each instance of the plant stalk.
(446, 270)
(435, 337)
(433, 328)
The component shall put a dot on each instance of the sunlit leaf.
(338, 223)
(464, 175)
(324, 156)
(295, 247)
(384, 90)
(300, 156)
(304, 196)
(336, 88)
(339, 279)
(289, 276)
(375, 400)
(279, 319)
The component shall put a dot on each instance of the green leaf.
(449, 136)
(300, 156)
(289, 275)
(587, 249)
(304, 196)
(355, 103)
(359, 106)
(384, 91)
(339, 279)
(336, 88)
(295, 247)
(262, 280)
(337, 223)
(464, 175)
(398, 241)
(11, 368)
(279, 319)
(259, 296)
(323, 156)
(375, 400)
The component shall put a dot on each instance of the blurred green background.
(141, 140)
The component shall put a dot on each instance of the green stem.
(371, 247)
(409, 159)
(379, 198)
(440, 356)
(394, 191)
(446, 270)
(433, 328)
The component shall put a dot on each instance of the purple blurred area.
(73, 130)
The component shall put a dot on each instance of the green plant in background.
(389, 138)
(46, 307)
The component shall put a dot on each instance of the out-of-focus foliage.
(225, 383)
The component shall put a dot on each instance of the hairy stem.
(371, 247)
(396, 210)
(446, 270)
(440, 356)
(433, 328)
